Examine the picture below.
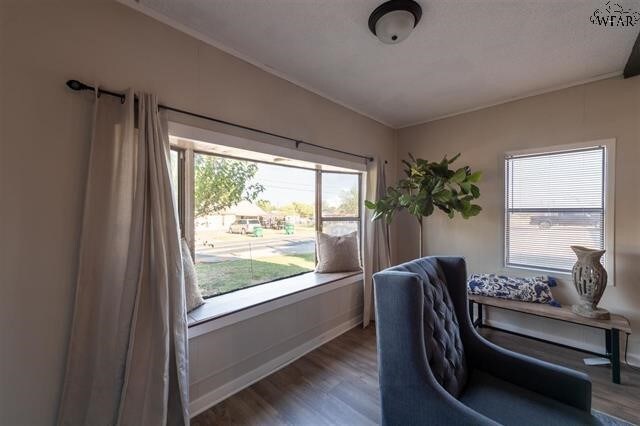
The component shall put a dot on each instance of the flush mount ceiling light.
(394, 20)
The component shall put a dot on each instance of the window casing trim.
(608, 202)
(220, 134)
(186, 186)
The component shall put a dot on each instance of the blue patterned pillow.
(536, 290)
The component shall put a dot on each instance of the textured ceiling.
(463, 55)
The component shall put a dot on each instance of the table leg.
(607, 342)
(615, 356)
(480, 315)
(471, 310)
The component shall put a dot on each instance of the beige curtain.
(127, 356)
(377, 247)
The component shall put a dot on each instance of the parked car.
(547, 220)
(244, 226)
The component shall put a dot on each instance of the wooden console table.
(612, 327)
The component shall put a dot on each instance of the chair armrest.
(409, 392)
(560, 383)
(563, 384)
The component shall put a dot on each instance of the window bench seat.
(226, 309)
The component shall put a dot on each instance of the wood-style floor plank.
(337, 384)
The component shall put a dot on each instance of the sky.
(285, 185)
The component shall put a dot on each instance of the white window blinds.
(553, 201)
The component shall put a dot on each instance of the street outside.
(224, 246)
(226, 262)
(547, 246)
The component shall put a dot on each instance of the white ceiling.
(463, 55)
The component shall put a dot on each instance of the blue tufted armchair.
(436, 369)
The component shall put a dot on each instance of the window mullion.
(189, 204)
(318, 201)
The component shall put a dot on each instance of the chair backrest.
(443, 346)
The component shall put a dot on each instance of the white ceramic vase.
(590, 281)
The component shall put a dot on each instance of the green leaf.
(475, 191)
(474, 177)
(455, 157)
(459, 176)
(404, 200)
(474, 210)
(442, 196)
(427, 208)
(370, 205)
(465, 187)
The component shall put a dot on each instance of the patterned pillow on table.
(536, 290)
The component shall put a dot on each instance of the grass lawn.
(222, 277)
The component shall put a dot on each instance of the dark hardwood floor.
(337, 384)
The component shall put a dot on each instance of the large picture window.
(251, 221)
(555, 200)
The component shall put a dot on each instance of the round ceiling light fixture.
(394, 20)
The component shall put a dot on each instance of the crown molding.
(516, 98)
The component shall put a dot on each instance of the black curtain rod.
(79, 86)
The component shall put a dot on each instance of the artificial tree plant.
(429, 185)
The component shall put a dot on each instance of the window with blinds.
(554, 200)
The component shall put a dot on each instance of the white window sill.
(227, 309)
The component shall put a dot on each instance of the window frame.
(320, 219)
(608, 146)
(180, 186)
(186, 156)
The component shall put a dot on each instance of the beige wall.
(600, 110)
(223, 360)
(45, 133)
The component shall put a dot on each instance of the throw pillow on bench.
(535, 290)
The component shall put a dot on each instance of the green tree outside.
(347, 206)
(300, 209)
(266, 205)
(221, 183)
(349, 202)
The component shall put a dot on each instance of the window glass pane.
(339, 227)
(174, 167)
(543, 239)
(559, 180)
(254, 222)
(339, 195)
(554, 201)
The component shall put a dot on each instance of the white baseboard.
(223, 392)
(581, 344)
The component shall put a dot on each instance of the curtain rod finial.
(76, 85)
